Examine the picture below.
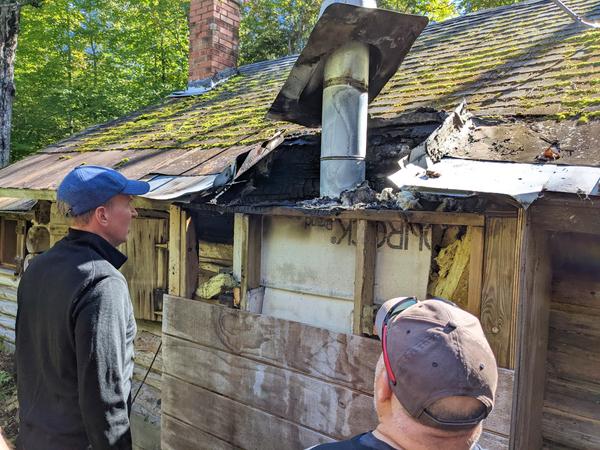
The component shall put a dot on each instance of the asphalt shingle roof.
(529, 59)
(525, 59)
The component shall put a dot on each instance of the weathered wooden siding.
(8, 308)
(146, 266)
(238, 380)
(571, 416)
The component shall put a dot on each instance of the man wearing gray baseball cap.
(435, 380)
(75, 323)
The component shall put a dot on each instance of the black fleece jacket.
(75, 330)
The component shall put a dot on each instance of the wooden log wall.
(8, 308)
(238, 380)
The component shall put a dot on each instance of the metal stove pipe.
(344, 117)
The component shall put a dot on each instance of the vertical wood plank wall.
(499, 295)
(238, 380)
(533, 309)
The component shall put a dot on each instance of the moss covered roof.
(527, 59)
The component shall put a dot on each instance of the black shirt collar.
(99, 244)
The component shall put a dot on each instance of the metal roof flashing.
(200, 87)
(521, 181)
(388, 34)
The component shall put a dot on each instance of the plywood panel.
(309, 255)
(403, 260)
(325, 312)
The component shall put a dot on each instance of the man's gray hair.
(66, 211)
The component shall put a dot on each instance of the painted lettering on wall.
(394, 235)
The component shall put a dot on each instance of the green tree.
(275, 28)
(10, 12)
(84, 62)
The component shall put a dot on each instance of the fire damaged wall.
(290, 172)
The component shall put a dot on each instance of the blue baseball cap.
(87, 187)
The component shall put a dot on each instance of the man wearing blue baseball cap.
(75, 324)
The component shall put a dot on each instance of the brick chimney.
(214, 37)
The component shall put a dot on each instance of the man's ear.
(383, 391)
(100, 215)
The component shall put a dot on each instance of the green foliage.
(275, 28)
(466, 6)
(5, 378)
(83, 62)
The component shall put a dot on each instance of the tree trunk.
(9, 30)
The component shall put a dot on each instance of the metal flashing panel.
(524, 182)
(389, 35)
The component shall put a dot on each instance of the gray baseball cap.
(434, 350)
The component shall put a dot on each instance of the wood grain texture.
(174, 245)
(145, 266)
(266, 368)
(497, 298)
(330, 409)
(178, 435)
(8, 279)
(572, 395)
(190, 259)
(533, 313)
(8, 308)
(576, 398)
(424, 217)
(492, 441)
(251, 236)
(569, 217)
(576, 432)
(238, 424)
(343, 359)
(364, 277)
(475, 270)
(146, 345)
